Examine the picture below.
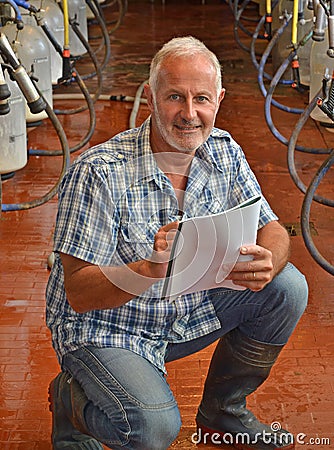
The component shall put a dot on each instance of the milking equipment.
(69, 75)
(12, 126)
(49, 17)
(36, 103)
(306, 55)
(32, 50)
(76, 12)
(13, 136)
(26, 81)
(322, 63)
(297, 35)
(40, 19)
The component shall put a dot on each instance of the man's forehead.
(186, 70)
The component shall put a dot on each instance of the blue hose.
(22, 3)
(263, 61)
(14, 5)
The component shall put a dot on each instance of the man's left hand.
(257, 271)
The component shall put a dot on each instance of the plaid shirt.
(112, 201)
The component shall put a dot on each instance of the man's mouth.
(188, 127)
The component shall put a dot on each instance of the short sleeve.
(87, 220)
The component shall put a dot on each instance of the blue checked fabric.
(112, 201)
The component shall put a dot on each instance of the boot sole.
(217, 438)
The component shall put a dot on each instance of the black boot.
(238, 367)
(67, 403)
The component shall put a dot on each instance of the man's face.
(185, 104)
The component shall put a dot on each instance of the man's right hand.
(163, 242)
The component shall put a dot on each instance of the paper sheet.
(206, 249)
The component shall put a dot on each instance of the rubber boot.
(238, 367)
(67, 404)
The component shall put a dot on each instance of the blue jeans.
(130, 403)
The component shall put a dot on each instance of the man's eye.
(202, 99)
(174, 97)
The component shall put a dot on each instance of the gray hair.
(183, 46)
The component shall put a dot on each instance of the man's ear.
(221, 95)
(149, 96)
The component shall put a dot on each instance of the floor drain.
(294, 229)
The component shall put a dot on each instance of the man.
(119, 207)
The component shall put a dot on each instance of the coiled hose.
(291, 148)
(305, 214)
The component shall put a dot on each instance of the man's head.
(184, 94)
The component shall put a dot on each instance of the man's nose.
(188, 110)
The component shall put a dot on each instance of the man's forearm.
(90, 287)
(275, 238)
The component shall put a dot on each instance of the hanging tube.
(35, 102)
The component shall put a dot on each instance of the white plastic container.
(77, 11)
(13, 134)
(54, 19)
(32, 49)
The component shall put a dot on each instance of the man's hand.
(256, 272)
(163, 242)
(261, 262)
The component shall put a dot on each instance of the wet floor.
(300, 391)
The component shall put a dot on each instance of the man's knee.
(160, 429)
(291, 285)
(149, 429)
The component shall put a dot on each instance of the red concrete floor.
(300, 391)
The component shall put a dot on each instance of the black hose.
(123, 6)
(90, 131)
(66, 161)
(292, 145)
(263, 61)
(94, 7)
(252, 45)
(305, 214)
(237, 15)
(268, 101)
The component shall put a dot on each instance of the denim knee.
(292, 286)
(282, 303)
(150, 429)
(159, 430)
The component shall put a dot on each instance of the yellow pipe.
(66, 25)
(294, 23)
(268, 6)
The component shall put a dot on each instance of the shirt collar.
(146, 166)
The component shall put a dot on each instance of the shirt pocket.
(138, 237)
